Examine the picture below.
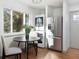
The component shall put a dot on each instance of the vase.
(27, 36)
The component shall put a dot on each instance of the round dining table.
(26, 41)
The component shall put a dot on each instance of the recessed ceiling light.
(36, 1)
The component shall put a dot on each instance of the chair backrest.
(41, 37)
(3, 46)
(32, 34)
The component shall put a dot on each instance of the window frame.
(11, 23)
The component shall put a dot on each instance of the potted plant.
(27, 30)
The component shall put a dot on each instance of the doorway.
(74, 28)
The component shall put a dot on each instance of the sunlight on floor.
(51, 56)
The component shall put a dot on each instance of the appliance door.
(57, 44)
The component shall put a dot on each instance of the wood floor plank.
(48, 54)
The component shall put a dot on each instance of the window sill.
(13, 34)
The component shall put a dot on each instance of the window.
(26, 19)
(76, 17)
(13, 21)
(7, 17)
(17, 21)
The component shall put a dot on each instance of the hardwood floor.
(48, 54)
(72, 54)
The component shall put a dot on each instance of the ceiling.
(71, 2)
(43, 3)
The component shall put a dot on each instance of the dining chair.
(40, 36)
(12, 51)
(32, 36)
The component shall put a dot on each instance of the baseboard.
(65, 52)
(54, 50)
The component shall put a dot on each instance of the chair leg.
(27, 49)
(16, 56)
(35, 47)
(3, 57)
(18, 44)
(19, 56)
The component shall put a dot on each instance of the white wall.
(74, 7)
(54, 11)
(66, 26)
(0, 30)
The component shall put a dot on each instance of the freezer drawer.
(57, 44)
